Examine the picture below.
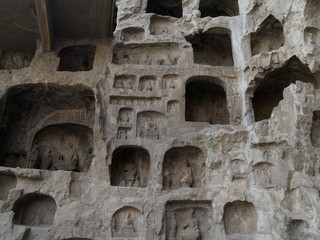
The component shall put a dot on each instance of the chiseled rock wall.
(160, 138)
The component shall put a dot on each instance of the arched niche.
(127, 223)
(239, 218)
(34, 209)
(132, 34)
(206, 101)
(217, 8)
(7, 182)
(27, 108)
(269, 91)
(212, 47)
(188, 220)
(165, 7)
(268, 37)
(183, 167)
(130, 167)
(62, 147)
(77, 58)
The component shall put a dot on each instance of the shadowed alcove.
(165, 7)
(206, 101)
(130, 167)
(269, 91)
(217, 8)
(34, 209)
(212, 47)
(268, 37)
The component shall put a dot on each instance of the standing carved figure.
(190, 230)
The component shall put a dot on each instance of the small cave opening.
(268, 37)
(206, 101)
(26, 109)
(34, 209)
(269, 91)
(217, 8)
(77, 58)
(212, 47)
(130, 167)
(165, 7)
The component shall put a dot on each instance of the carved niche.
(187, 220)
(7, 182)
(125, 81)
(147, 83)
(62, 147)
(127, 224)
(263, 173)
(27, 108)
(240, 218)
(150, 125)
(130, 167)
(183, 167)
(34, 210)
(206, 101)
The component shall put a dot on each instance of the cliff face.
(196, 120)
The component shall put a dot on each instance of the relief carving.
(147, 83)
(127, 224)
(188, 220)
(150, 125)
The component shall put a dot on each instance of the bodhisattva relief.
(147, 83)
(125, 117)
(127, 224)
(188, 220)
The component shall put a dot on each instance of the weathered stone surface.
(199, 120)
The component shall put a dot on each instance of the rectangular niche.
(315, 130)
(147, 54)
(188, 220)
(77, 58)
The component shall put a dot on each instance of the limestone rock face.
(197, 120)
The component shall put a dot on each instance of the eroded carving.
(269, 92)
(188, 220)
(30, 107)
(183, 167)
(160, 25)
(212, 47)
(206, 102)
(147, 83)
(134, 101)
(268, 37)
(263, 174)
(7, 182)
(124, 133)
(238, 169)
(130, 167)
(125, 81)
(171, 81)
(62, 147)
(127, 224)
(125, 117)
(132, 34)
(312, 36)
(240, 218)
(173, 106)
(150, 125)
(34, 210)
(147, 54)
